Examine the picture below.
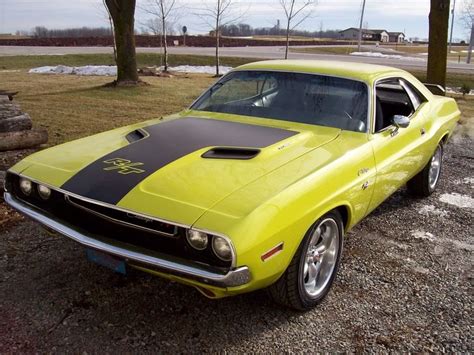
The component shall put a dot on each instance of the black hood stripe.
(111, 177)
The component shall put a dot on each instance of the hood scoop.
(231, 153)
(136, 135)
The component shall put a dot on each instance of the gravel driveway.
(405, 284)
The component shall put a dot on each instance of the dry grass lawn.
(72, 106)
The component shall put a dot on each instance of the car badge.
(123, 166)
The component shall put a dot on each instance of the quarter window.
(394, 96)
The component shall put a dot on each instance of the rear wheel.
(312, 271)
(424, 183)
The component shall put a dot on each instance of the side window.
(235, 90)
(392, 99)
(416, 98)
(269, 85)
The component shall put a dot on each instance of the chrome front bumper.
(236, 277)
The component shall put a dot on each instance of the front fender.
(325, 179)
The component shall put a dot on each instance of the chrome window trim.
(367, 130)
(374, 98)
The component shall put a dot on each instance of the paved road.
(245, 52)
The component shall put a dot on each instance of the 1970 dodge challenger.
(253, 186)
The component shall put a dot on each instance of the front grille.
(118, 227)
(125, 218)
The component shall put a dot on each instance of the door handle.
(422, 131)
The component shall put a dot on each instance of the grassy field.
(143, 60)
(325, 50)
(408, 50)
(72, 106)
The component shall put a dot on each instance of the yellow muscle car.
(253, 186)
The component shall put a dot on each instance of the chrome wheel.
(435, 168)
(321, 257)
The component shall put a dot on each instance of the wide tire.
(318, 258)
(424, 183)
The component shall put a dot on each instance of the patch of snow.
(388, 56)
(457, 90)
(104, 70)
(87, 70)
(201, 69)
(58, 69)
(461, 245)
(458, 200)
(428, 210)
(423, 235)
(466, 181)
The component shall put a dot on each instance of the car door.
(399, 152)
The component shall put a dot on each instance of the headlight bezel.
(27, 181)
(219, 238)
(210, 247)
(48, 191)
(191, 232)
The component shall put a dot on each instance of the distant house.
(397, 37)
(367, 35)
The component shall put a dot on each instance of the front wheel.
(424, 183)
(312, 271)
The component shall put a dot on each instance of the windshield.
(304, 98)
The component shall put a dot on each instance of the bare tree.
(221, 13)
(468, 21)
(467, 16)
(296, 12)
(111, 24)
(162, 10)
(438, 42)
(123, 17)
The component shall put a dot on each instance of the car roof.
(359, 71)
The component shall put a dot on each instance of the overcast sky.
(409, 16)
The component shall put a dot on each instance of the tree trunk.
(23, 139)
(17, 123)
(471, 45)
(287, 38)
(438, 42)
(123, 16)
(165, 45)
(217, 47)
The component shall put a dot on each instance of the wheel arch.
(444, 138)
(346, 214)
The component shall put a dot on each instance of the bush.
(465, 89)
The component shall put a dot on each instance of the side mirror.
(401, 121)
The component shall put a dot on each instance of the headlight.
(44, 192)
(198, 240)
(26, 186)
(222, 248)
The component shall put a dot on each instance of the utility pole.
(452, 27)
(360, 26)
(471, 45)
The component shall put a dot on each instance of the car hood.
(164, 168)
